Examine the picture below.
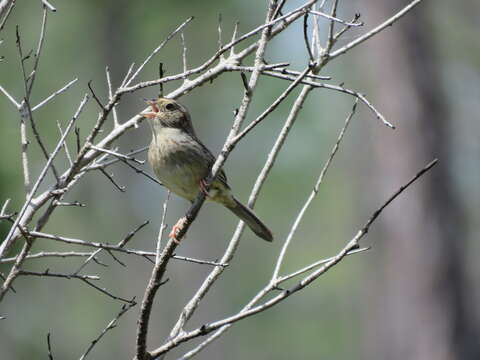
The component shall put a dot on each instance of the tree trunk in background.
(420, 310)
(113, 37)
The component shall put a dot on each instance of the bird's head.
(167, 113)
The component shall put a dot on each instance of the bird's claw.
(203, 187)
(176, 230)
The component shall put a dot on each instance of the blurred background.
(414, 295)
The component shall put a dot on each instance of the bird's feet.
(203, 187)
(176, 230)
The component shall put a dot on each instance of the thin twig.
(314, 265)
(140, 171)
(116, 154)
(219, 31)
(65, 147)
(234, 38)
(10, 97)
(111, 325)
(110, 94)
(305, 37)
(120, 245)
(63, 203)
(272, 107)
(49, 347)
(37, 136)
(127, 75)
(49, 6)
(44, 254)
(106, 292)
(184, 54)
(285, 20)
(159, 47)
(24, 143)
(120, 188)
(7, 242)
(312, 195)
(154, 283)
(7, 284)
(342, 31)
(245, 313)
(375, 30)
(41, 40)
(47, 273)
(6, 7)
(239, 118)
(197, 261)
(342, 89)
(351, 24)
(100, 164)
(194, 302)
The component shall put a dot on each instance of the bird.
(182, 162)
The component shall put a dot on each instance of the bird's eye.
(170, 107)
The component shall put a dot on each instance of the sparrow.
(181, 162)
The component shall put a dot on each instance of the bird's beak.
(148, 115)
(153, 105)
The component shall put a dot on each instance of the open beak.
(153, 113)
(153, 104)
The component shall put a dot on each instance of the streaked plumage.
(181, 161)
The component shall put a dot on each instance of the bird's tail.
(253, 222)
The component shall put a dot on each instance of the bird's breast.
(177, 162)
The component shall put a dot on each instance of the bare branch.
(120, 245)
(375, 31)
(7, 283)
(116, 154)
(26, 109)
(239, 118)
(272, 107)
(10, 97)
(49, 346)
(20, 218)
(97, 165)
(106, 292)
(160, 47)
(111, 325)
(110, 94)
(6, 7)
(234, 38)
(158, 271)
(197, 261)
(305, 37)
(65, 147)
(47, 273)
(56, 93)
(24, 155)
(351, 245)
(194, 302)
(184, 54)
(120, 188)
(219, 30)
(335, 88)
(127, 75)
(94, 154)
(46, 254)
(49, 6)
(314, 265)
(285, 21)
(351, 24)
(312, 196)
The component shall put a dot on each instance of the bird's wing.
(211, 160)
